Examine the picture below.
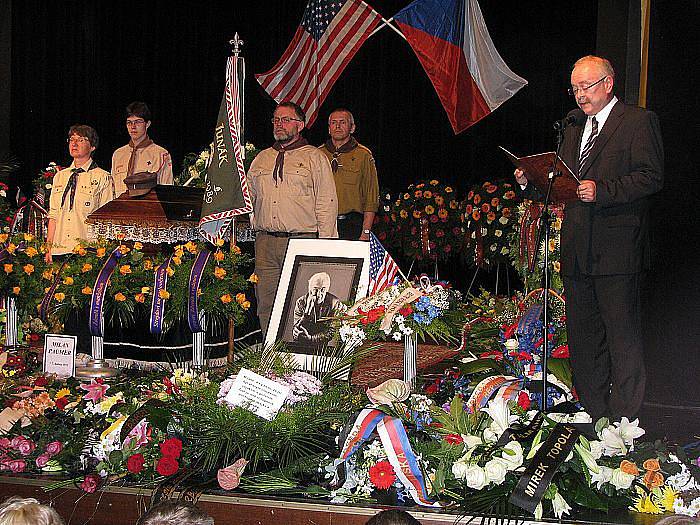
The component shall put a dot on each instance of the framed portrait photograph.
(319, 277)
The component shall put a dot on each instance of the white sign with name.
(260, 395)
(59, 354)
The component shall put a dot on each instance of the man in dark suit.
(617, 152)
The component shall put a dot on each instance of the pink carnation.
(42, 460)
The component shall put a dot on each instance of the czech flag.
(453, 45)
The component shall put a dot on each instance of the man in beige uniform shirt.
(141, 154)
(355, 177)
(76, 192)
(293, 194)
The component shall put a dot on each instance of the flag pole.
(387, 23)
(236, 45)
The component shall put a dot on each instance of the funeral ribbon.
(160, 283)
(46, 301)
(393, 436)
(192, 299)
(99, 291)
(486, 388)
(539, 473)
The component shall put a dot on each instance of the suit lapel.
(611, 124)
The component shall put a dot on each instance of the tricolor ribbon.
(397, 447)
(192, 299)
(160, 283)
(99, 291)
(485, 389)
(46, 301)
(527, 321)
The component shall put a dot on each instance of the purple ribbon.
(192, 300)
(44, 305)
(158, 305)
(99, 291)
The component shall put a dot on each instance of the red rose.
(41, 380)
(561, 352)
(432, 389)
(523, 400)
(61, 402)
(91, 483)
(382, 475)
(167, 466)
(454, 439)
(405, 311)
(135, 463)
(171, 448)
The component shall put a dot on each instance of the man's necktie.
(71, 187)
(589, 145)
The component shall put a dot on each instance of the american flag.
(382, 268)
(330, 34)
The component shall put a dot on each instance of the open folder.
(537, 169)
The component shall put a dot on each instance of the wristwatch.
(366, 232)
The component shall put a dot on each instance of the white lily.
(560, 505)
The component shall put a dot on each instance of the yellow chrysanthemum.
(219, 272)
(60, 296)
(28, 269)
(219, 256)
(87, 290)
(226, 298)
(138, 246)
(86, 268)
(68, 281)
(120, 297)
(219, 242)
(164, 294)
(15, 290)
(31, 251)
(667, 498)
(140, 298)
(253, 278)
(125, 269)
(101, 252)
(124, 249)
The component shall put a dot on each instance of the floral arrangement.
(6, 213)
(195, 165)
(489, 219)
(28, 278)
(461, 451)
(43, 182)
(427, 311)
(524, 238)
(426, 221)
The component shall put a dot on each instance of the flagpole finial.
(236, 44)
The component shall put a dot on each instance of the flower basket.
(426, 221)
(489, 218)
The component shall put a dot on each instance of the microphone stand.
(545, 223)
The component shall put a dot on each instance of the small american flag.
(330, 34)
(382, 268)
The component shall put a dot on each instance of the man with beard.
(355, 177)
(293, 194)
(141, 154)
(617, 152)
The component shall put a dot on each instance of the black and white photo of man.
(312, 308)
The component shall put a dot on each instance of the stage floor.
(122, 505)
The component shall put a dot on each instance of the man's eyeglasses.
(136, 122)
(77, 140)
(284, 120)
(573, 90)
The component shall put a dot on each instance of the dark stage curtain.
(83, 62)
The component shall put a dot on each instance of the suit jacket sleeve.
(644, 175)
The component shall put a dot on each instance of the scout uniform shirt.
(355, 180)
(94, 188)
(151, 159)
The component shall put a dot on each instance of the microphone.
(575, 116)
